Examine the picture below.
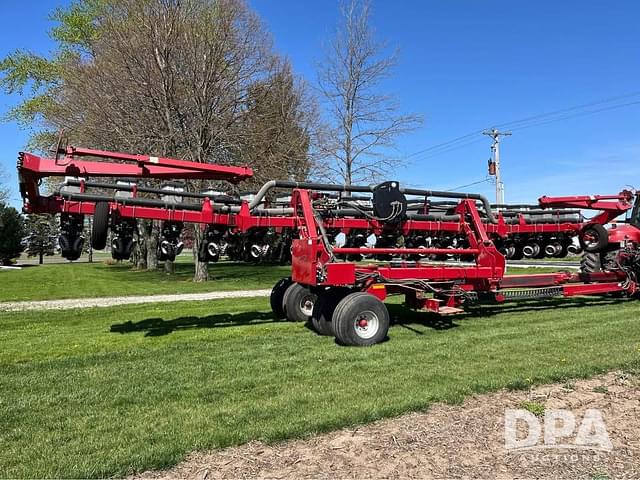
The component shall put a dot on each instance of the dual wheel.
(292, 301)
(354, 318)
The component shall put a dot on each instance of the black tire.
(298, 303)
(564, 251)
(100, 227)
(277, 297)
(323, 310)
(166, 252)
(63, 242)
(121, 248)
(355, 308)
(518, 255)
(74, 251)
(590, 263)
(72, 255)
(594, 238)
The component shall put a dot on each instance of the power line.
(444, 144)
(449, 149)
(578, 114)
(469, 185)
(526, 122)
(512, 124)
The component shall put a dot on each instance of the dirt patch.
(449, 442)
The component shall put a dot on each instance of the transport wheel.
(277, 297)
(100, 226)
(298, 303)
(594, 238)
(323, 310)
(360, 319)
(590, 263)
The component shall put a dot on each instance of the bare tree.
(364, 123)
(278, 127)
(195, 79)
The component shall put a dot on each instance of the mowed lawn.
(84, 280)
(80, 280)
(106, 392)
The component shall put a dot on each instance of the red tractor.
(612, 249)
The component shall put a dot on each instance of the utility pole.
(494, 165)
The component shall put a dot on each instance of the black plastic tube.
(362, 189)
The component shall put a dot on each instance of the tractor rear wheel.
(298, 303)
(594, 238)
(590, 263)
(100, 226)
(360, 319)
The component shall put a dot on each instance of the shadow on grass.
(400, 316)
(487, 310)
(154, 327)
(406, 318)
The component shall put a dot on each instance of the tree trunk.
(202, 268)
(90, 250)
(152, 231)
(41, 259)
(140, 250)
(169, 267)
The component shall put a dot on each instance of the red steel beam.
(592, 289)
(145, 167)
(406, 251)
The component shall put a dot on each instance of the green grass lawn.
(102, 392)
(83, 280)
(79, 280)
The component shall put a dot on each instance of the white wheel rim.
(306, 305)
(366, 324)
(590, 239)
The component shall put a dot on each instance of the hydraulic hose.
(363, 189)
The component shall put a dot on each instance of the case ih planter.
(415, 231)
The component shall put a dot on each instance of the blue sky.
(465, 65)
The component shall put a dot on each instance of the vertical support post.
(495, 151)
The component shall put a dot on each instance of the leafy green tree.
(11, 233)
(192, 79)
(39, 79)
(4, 190)
(42, 233)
